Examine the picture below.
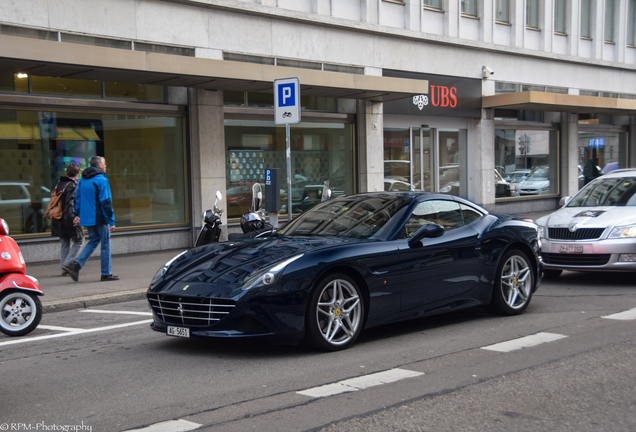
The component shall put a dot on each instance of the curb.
(93, 300)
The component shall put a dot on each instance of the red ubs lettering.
(446, 97)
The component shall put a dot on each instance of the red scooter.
(20, 307)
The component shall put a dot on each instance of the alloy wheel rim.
(516, 282)
(339, 312)
(18, 311)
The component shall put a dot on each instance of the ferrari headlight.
(270, 275)
(628, 231)
(162, 271)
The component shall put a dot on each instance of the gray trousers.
(69, 253)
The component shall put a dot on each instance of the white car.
(595, 230)
(536, 183)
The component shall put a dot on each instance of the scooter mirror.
(4, 227)
(219, 196)
(257, 197)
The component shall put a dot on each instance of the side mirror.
(565, 201)
(425, 231)
(257, 197)
(4, 227)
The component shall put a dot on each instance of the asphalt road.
(105, 370)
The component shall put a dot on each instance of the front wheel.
(514, 283)
(20, 313)
(335, 314)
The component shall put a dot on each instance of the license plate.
(570, 248)
(183, 332)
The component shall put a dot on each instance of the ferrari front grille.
(579, 234)
(190, 311)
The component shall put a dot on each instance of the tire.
(551, 274)
(335, 313)
(20, 313)
(514, 283)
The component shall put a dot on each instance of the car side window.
(470, 214)
(12, 192)
(445, 213)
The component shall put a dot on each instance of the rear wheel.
(20, 313)
(552, 274)
(335, 314)
(513, 284)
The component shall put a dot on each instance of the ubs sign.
(448, 96)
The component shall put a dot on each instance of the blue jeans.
(68, 253)
(96, 235)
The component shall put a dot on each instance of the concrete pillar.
(370, 146)
(370, 11)
(412, 15)
(569, 170)
(631, 144)
(481, 153)
(207, 154)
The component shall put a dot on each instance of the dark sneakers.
(110, 277)
(73, 270)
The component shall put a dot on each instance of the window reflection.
(319, 152)
(145, 157)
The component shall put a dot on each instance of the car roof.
(623, 172)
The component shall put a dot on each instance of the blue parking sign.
(286, 95)
(287, 101)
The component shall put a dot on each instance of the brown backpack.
(54, 210)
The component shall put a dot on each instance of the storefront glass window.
(526, 163)
(145, 155)
(600, 153)
(397, 157)
(14, 83)
(319, 152)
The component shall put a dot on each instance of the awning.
(67, 60)
(540, 101)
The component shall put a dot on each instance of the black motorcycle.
(253, 222)
(211, 229)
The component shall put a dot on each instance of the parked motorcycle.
(253, 222)
(20, 306)
(211, 229)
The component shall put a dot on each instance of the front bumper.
(596, 255)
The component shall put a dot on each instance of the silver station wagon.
(595, 230)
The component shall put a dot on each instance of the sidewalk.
(135, 272)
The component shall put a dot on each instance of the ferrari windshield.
(354, 217)
(616, 191)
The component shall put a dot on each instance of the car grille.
(191, 311)
(576, 259)
(579, 234)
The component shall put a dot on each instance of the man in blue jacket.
(94, 210)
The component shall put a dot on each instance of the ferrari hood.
(595, 217)
(232, 263)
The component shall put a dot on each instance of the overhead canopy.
(540, 101)
(77, 61)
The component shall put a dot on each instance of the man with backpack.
(94, 210)
(71, 236)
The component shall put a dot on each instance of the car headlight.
(162, 271)
(543, 232)
(270, 275)
(446, 189)
(628, 231)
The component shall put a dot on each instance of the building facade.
(503, 102)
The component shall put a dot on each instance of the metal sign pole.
(289, 178)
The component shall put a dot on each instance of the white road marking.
(169, 426)
(56, 328)
(524, 342)
(626, 315)
(116, 312)
(359, 383)
(73, 333)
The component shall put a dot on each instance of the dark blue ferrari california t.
(351, 263)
